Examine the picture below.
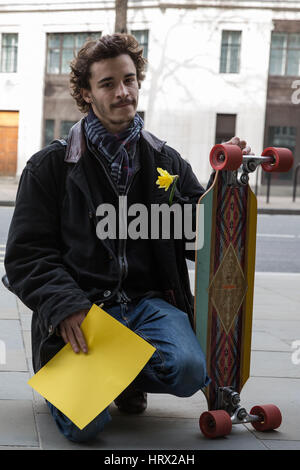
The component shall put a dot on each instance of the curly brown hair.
(106, 47)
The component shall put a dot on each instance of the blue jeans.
(177, 367)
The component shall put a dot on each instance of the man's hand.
(71, 333)
(246, 149)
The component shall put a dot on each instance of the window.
(282, 136)
(9, 52)
(65, 126)
(49, 131)
(142, 36)
(62, 48)
(225, 127)
(285, 54)
(230, 52)
(52, 127)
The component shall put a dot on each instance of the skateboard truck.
(218, 422)
(249, 165)
(229, 400)
(230, 158)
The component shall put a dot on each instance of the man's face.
(114, 92)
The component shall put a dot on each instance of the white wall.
(183, 90)
(23, 91)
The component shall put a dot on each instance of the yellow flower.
(165, 179)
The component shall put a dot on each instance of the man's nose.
(122, 91)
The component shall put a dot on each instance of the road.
(278, 243)
(277, 250)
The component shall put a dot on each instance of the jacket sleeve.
(187, 193)
(33, 259)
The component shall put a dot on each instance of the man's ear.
(86, 95)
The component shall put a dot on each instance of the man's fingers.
(246, 150)
(63, 334)
(80, 338)
(234, 141)
(76, 339)
(72, 339)
(71, 332)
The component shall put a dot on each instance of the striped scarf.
(117, 148)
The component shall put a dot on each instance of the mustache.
(123, 102)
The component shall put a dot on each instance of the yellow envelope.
(82, 385)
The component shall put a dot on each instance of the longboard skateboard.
(224, 286)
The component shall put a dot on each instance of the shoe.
(132, 401)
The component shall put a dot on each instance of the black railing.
(268, 179)
(295, 182)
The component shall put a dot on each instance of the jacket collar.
(77, 145)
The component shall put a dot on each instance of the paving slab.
(169, 422)
(17, 424)
(273, 364)
(285, 285)
(282, 392)
(13, 386)
(148, 432)
(163, 406)
(10, 334)
(18, 448)
(25, 322)
(275, 335)
(8, 304)
(27, 346)
(282, 445)
(22, 309)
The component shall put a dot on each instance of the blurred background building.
(216, 69)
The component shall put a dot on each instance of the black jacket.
(54, 260)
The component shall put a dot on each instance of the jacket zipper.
(121, 246)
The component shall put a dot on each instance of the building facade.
(215, 69)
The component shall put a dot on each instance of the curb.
(278, 211)
(264, 210)
(7, 203)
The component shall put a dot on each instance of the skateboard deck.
(224, 284)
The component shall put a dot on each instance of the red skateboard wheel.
(270, 417)
(283, 159)
(215, 423)
(226, 157)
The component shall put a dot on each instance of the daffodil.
(165, 180)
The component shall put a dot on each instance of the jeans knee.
(189, 376)
(87, 434)
(75, 434)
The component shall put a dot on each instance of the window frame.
(228, 52)
(146, 32)
(15, 53)
(61, 48)
(284, 55)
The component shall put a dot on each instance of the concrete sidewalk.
(169, 423)
(276, 204)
